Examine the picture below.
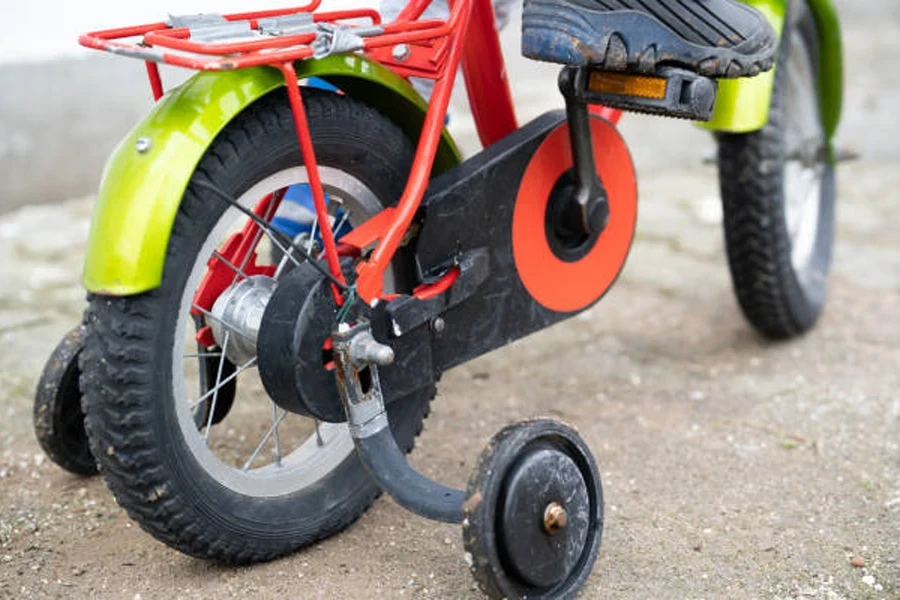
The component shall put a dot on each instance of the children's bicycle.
(289, 251)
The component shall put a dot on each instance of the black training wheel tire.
(778, 193)
(533, 515)
(58, 419)
(136, 428)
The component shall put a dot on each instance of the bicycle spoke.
(312, 236)
(239, 271)
(202, 355)
(258, 235)
(343, 220)
(275, 435)
(221, 383)
(215, 391)
(284, 260)
(280, 246)
(263, 442)
(319, 441)
(231, 328)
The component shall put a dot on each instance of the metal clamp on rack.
(288, 24)
(209, 28)
(334, 39)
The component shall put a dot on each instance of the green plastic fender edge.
(143, 181)
(742, 105)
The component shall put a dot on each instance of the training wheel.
(58, 419)
(533, 515)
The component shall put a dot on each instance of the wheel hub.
(237, 315)
(545, 516)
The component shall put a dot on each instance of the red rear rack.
(236, 41)
(279, 38)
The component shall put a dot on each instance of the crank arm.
(591, 197)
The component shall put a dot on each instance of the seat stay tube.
(371, 273)
(315, 183)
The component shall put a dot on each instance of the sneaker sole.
(554, 33)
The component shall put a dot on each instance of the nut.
(400, 52)
(555, 518)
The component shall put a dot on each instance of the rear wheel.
(188, 440)
(778, 193)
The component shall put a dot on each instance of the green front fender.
(148, 172)
(742, 105)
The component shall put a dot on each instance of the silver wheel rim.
(804, 168)
(304, 464)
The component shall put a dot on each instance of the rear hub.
(237, 314)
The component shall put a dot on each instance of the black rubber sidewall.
(58, 401)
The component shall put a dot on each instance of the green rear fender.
(742, 105)
(148, 172)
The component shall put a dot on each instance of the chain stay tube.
(315, 183)
(371, 273)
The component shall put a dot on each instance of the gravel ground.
(732, 467)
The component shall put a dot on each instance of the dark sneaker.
(716, 38)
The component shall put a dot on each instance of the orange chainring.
(557, 284)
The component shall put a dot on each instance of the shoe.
(715, 38)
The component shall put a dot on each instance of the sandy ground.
(732, 467)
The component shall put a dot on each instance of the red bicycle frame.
(432, 49)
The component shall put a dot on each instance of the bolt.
(400, 52)
(380, 354)
(438, 325)
(364, 350)
(143, 145)
(555, 518)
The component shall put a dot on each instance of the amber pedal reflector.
(627, 85)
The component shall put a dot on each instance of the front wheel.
(778, 194)
(187, 438)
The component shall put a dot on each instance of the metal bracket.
(358, 381)
(335, 39)
(196, 20)
(288, 25)
(207, 28)
(360, 388)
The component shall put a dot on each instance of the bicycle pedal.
(671, 92)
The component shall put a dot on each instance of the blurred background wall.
(63, 108)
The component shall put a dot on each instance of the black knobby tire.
(127, 363)
(58, 419)
(779, 277)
